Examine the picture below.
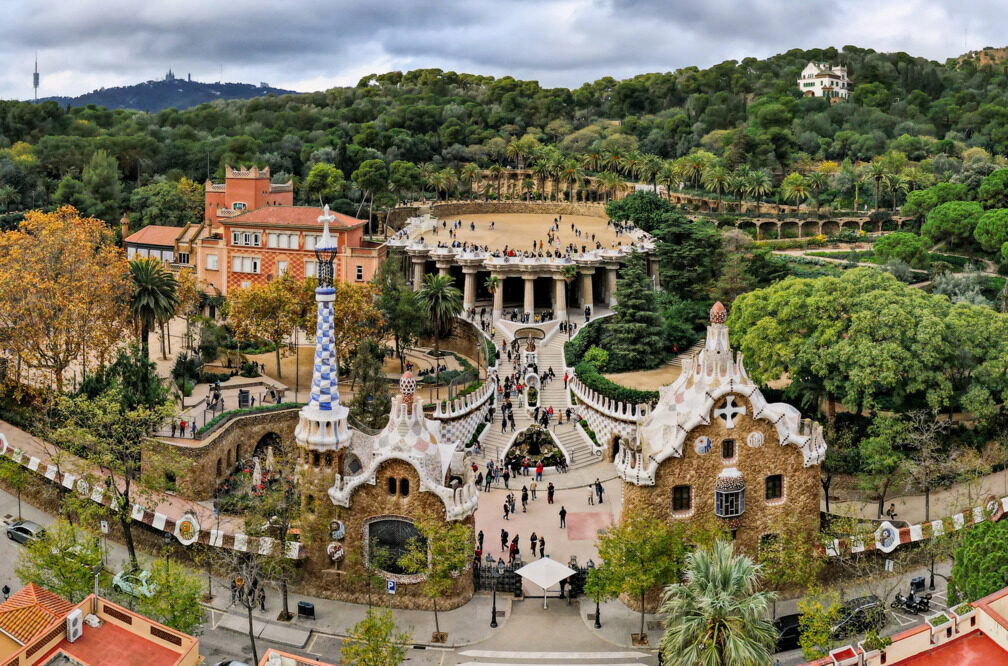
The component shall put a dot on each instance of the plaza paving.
(519, 230)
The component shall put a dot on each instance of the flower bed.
(534, 443)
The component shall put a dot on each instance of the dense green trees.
(905, 246)
(981, 562)
(634, 333)
(953, 221)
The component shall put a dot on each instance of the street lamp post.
(496, 572)
(598, 623)
(167, 536)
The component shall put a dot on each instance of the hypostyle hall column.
(418, 268)
(498, 303)
(469, 293)
(443, 268)
(529, 293)
(560, 298)
(586, 289)
(611, 275)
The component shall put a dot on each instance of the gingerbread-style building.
(364, 490)
(713, 446)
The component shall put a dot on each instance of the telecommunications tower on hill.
(35, 78)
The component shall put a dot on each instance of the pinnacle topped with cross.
(326, 242)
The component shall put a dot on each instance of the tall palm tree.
(816, 180)
(759, 185)
(571, 175)
(610, 183)
(441, 301)
(517, 150)
(593, 160)
(877, 171)
(527, 187)
(695, 167)
(541, 172)
(471, 173)
(427, 171)
(155, 296)
(715, 179)
(668, 177)
(613, 162)
(496, 172)
(448, 181)
(795, 188)
(632, 164)
(650, 166)
(717, 617)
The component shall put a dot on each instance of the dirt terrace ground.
(519, 230)
(647, 380)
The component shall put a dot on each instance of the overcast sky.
(315, 44)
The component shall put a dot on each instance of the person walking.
(489, 478)
(507, 509)
(504, 539)
(532, 487)
(525, 497)
(539, 471)
(262, 598)
(563, 516)
(549, 493)
(542, 547)
(533, 540)
(507, 477)
(599, 490)
(173, 428)
(234, 591)
(194, 429)
(591, 495)
(479, 538)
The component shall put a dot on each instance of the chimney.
(124, 223)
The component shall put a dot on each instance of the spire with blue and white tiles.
(322, 424)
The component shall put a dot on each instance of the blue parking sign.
(390, 586)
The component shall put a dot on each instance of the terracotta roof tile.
(293, 216)
(31, 610)
(155, 234)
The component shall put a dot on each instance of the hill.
(167, 93)
(988, 55)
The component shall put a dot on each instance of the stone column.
(498, 302)
(469, 293)
(560, 298)
(529, 293)
(611, 274)
(586, 290)
(418, 267)
(443, 268)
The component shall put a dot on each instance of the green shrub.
(590, 376)
(231, 413)
(588, 431)
(597, 357)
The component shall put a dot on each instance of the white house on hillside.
(820, 79)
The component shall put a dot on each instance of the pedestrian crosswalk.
(527, 658)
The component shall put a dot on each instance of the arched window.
(311, 503)
(404, 487)
(315, 458)
(391, 485)
(218, 467)
(229, 458)
(393, 536)
(328, 459)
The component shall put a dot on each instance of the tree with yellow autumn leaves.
(64, 291)
(272, 311)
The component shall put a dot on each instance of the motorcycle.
(912, 604)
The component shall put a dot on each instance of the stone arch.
(829, 227)
(888, 225)
(747, 227)
(613, 449)
(850, 225)
(790, 230)
(269, 440)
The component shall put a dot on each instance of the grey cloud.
(88, 43)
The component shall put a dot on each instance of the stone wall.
(399, 215)
(699, 471)
(448, 210)
(347, 580)
(196, 467)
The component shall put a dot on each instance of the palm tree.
(718, 615)
(442, 302)
(632, 164)
(650, 166)
(155, 296)
(609, 183)
(715, 179)
(816, 180)
(470, 173)
(517, 150)
(613, 161)
(427, 171)
(695, 167)
(447, 181)
(492, 283)
(541, 171)
(758, 185)
(571, 175)
(496, 171)
(877, 172)
(593, 160)
(795, 188)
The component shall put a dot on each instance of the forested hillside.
(166, 93)
(742, 115)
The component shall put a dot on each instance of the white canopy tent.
(545, 573)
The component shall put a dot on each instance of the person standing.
(599, 490)
(507, 477)
(591, 495)
(532, 487)
(533, 540)
(549, 493)
(539, 471)
(507, 509)
(194, 429)
(262, 598)
(504, 539)
(489, 478)
(479, 538)
(542, 547)
(525, 497)
(173, 428)
(563, 517)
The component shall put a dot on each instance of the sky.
(309, 45)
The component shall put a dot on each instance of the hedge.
(231, 413)
(594, 380)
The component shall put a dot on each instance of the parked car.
(231, 662)
(858, 616)
(133, 583)
(24, 531)
(788, 632)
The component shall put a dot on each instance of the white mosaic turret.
(689, 402)
(323, 421)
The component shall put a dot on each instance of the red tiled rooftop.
(974, 649)
(111, 645)
(155, 234)
(293, 216)
(31, 610)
